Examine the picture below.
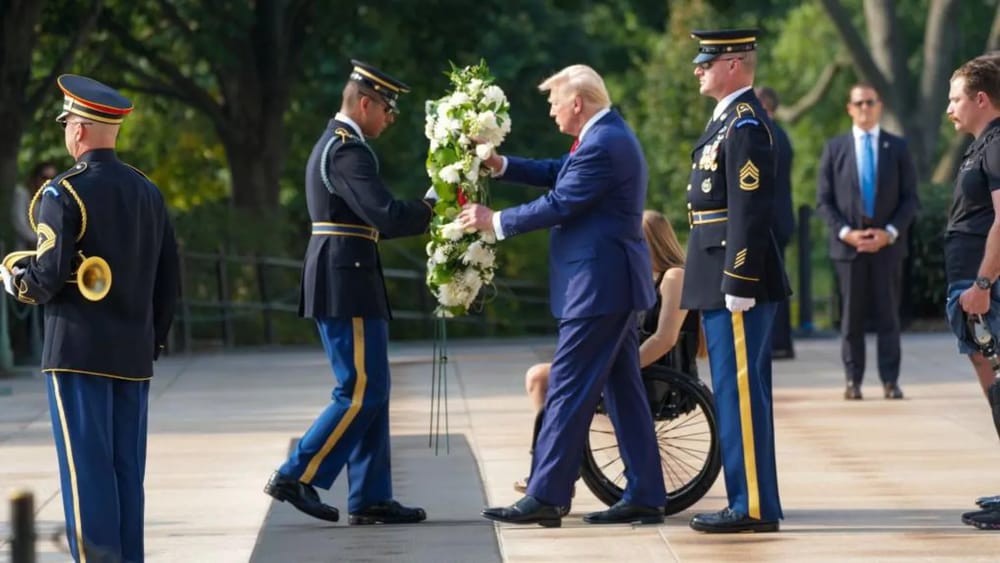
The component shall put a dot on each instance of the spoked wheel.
(686, 432)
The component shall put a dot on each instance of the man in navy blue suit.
(735, 276)
(867, 193)
(600, 275)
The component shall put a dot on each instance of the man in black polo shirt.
(972, 239)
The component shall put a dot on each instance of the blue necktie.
(868, 175)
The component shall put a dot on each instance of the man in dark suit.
(103, 333)
(600, 276)
(735, 276)
(867, 194)
(344, 290)
(784, 218)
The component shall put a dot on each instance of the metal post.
(22, 524)
(6, 352)
(265, 301)
(227, 321)
(806, 326)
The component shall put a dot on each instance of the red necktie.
(576, 143)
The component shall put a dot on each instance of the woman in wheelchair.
(668, 335)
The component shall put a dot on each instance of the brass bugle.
(92, 275)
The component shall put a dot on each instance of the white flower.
(459, 98)
(475, 85)
(472, 170)
(486, 122)
(439, 255)
(494, 96)
(452, 294)
(464, 140)
(478, 254)
(484, 151)
(451, 174)
(488, 237)
(453, 231)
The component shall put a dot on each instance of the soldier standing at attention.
(102, 332)
(735, 276)
(344, 291)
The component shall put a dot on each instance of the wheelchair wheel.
(686, 432)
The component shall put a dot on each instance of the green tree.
(36, 45)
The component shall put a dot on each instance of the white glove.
(431, 194)
(8, 279)
(739, 304)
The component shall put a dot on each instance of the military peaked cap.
(381, 83)
(89, 98)
(711, 44)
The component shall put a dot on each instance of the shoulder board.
(141, 173)
(78, 168)
(744, 109)
(345, 135)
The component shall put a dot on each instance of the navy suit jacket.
(599, 263)
(839, 192)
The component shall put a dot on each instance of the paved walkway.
(862, 481)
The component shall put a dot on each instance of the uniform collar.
(725, 102)
(350, 123)
(95, 155)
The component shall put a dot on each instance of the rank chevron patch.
(749, 176)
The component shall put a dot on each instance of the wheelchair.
(686, 432)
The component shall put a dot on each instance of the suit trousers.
(870, 282)
(739, 355)
(99, 425)
(595, 355)
(353, 430)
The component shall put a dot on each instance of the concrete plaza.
(873, 480)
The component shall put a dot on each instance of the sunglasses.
(66, 124)
(385, 106)
(708, 64)
(870, 102)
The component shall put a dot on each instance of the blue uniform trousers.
(595, 355)
(354, 428)
(739, 353)
(99, 425)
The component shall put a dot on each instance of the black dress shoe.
(983, 519)
(988, 502)
(387, 512)
(301, 496)
(892, 391)
(852, 392)
(728, 521)
(528, 510)
(624, 513)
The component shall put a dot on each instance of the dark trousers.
(352, 430)
(869, 284)
(739, 356)
(99, 425)
(595, 355)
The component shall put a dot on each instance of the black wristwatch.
(984, 282)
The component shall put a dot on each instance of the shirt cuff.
(843, 232)
(893, 233)
(497, 228)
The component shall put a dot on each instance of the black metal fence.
(238, 300)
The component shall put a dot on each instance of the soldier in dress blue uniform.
(735, 276)
(344, 291)
(106, 269)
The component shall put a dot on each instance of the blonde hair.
(664, 248)
(578, 80)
